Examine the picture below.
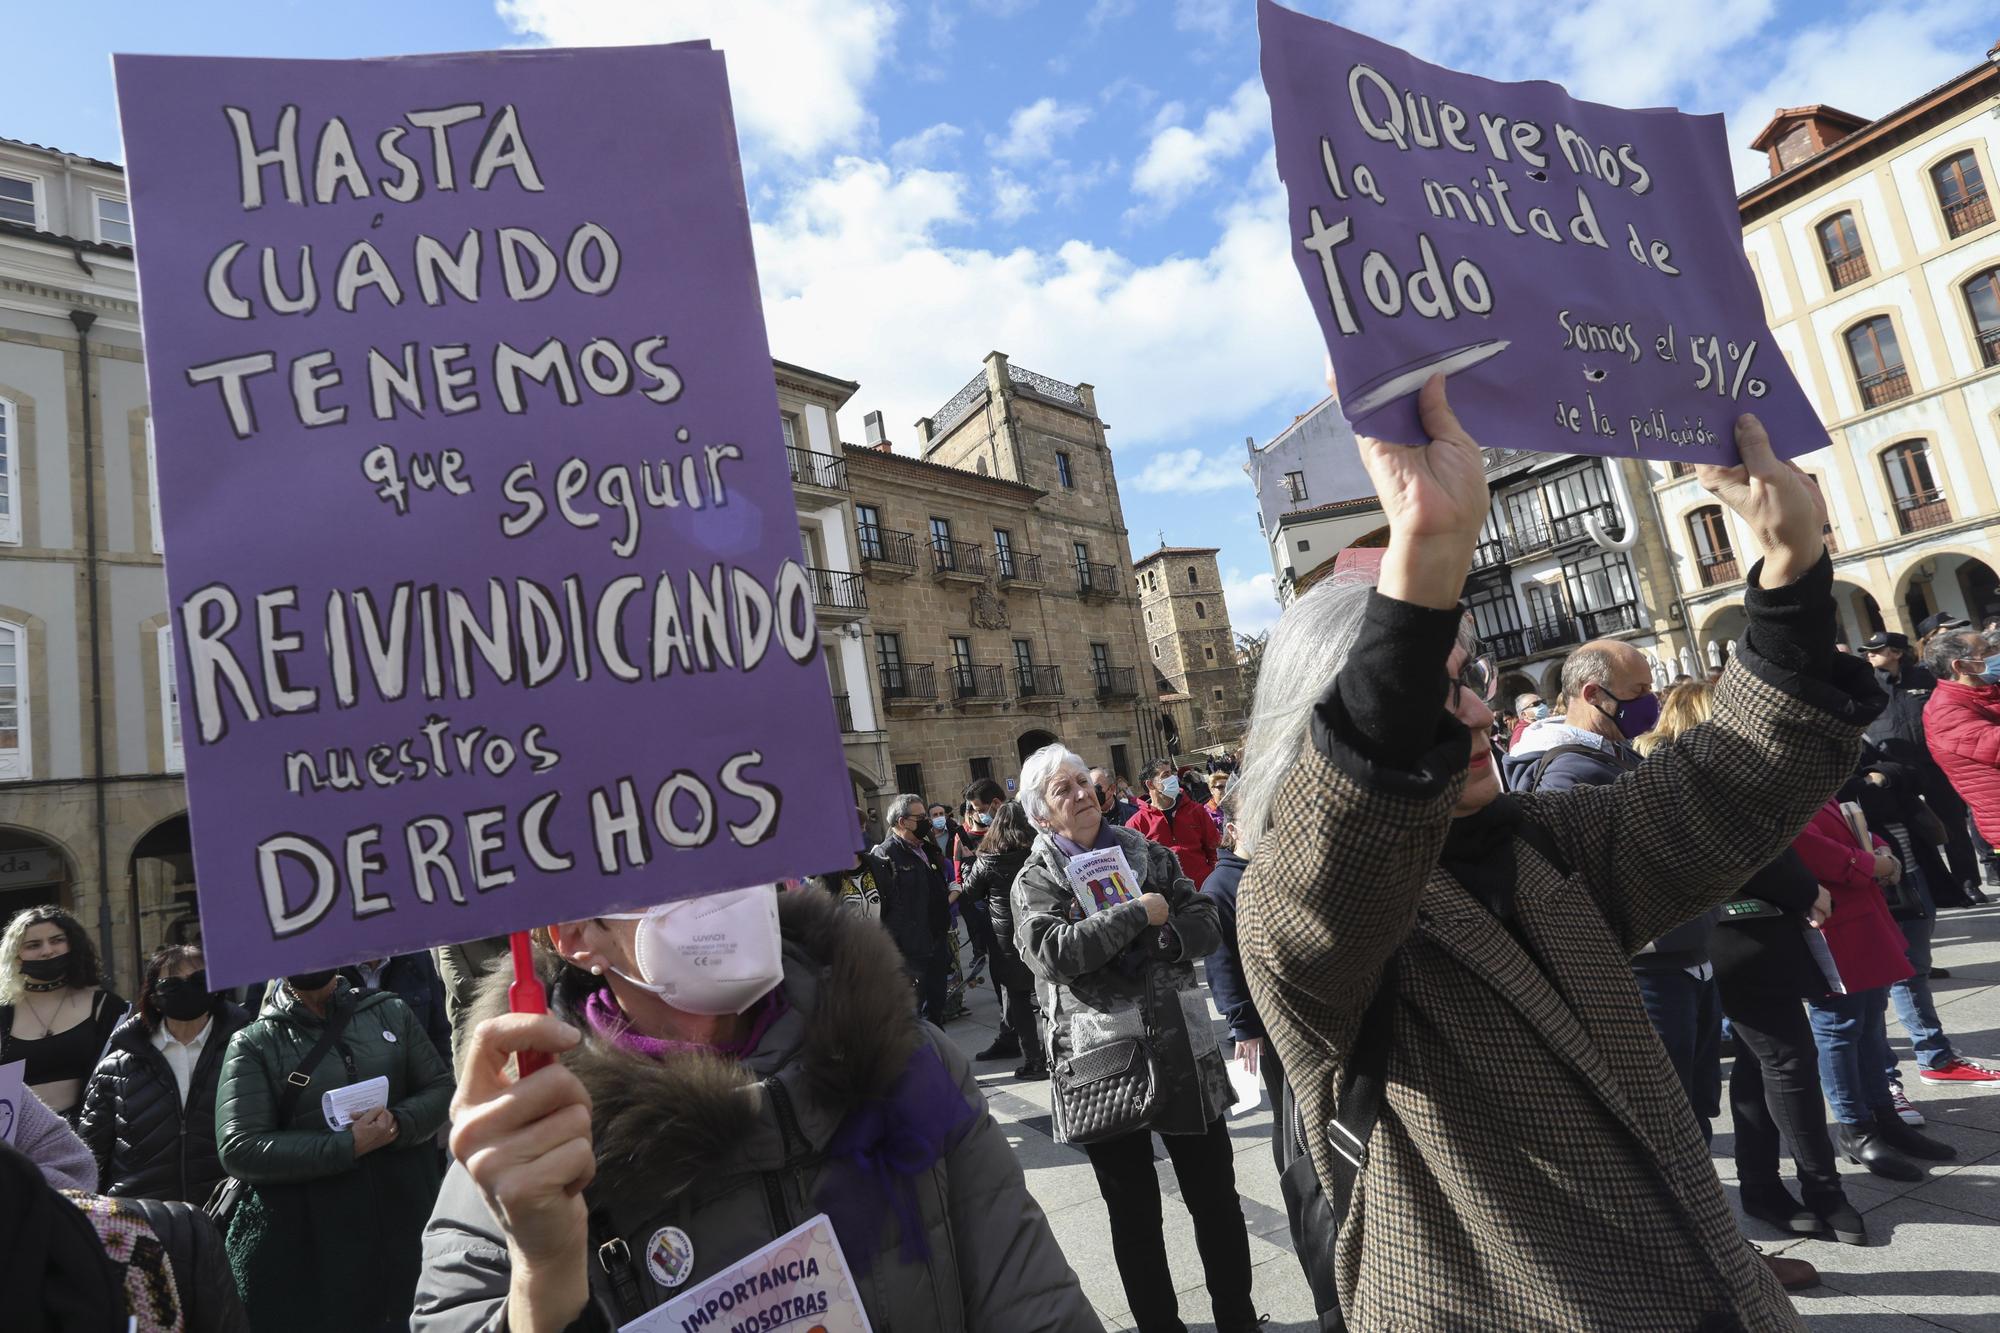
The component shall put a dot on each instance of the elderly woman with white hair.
(1111, 929)
(1444, 967)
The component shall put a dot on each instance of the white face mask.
(717, 954)
(1170, 787)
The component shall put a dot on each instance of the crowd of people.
(1487, 958)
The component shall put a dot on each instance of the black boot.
(1909, 1142)
(1831, 1207)
(1864, 1145)
(1005, 1047)
(1035, 1069)
(1772, 1204)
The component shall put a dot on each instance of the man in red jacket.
(1962, 720)
(1175, 821)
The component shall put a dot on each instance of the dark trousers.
(1688, 1016)
(933, 982)
(1205, 1166)
(1774, 1091)
(1018, 1014)
(1272, 1071)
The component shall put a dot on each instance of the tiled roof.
(60, 152)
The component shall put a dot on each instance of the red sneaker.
(1958, 1070)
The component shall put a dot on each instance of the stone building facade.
(92, 812)
(1876, 248)
(1000, 594)
(1191, 644)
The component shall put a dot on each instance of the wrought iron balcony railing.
(908, 681)
(810, 468)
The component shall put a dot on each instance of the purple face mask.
(1636, 717)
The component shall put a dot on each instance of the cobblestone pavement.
(1935, 1262)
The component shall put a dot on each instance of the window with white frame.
(114, 220)
(20, 200)
(14, 749)
(170, 701)
(10, 474)
(153, 487)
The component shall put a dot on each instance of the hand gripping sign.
(487, 599)
(1577, 269)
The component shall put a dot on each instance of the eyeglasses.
(1480, 676)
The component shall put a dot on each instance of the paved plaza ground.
(1934, 1263)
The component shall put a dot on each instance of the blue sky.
(1083, 184)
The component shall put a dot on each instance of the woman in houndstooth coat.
(1535, 1164)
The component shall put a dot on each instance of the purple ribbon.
(879, 1151)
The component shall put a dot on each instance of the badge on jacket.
(670, 1256)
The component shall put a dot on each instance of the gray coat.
(735, 1154)
(1095, 993)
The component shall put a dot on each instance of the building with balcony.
(1192, 646)
(809, 404)
(1571, 552)
(92, 810)
(1314, 499)
(1571, 549)
(1002, 609)
(1875, 247)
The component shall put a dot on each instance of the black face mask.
(183, 998)
(305, 981)
(46, 969)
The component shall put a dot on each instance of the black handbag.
(228, 1192)
(1107, 1092)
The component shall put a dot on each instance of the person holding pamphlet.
(325, 1237)
(1460, 954)
(732, 1070)
(1111, 929)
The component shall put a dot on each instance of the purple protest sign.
(1577, 269)
(488, 601)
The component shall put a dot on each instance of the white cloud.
(1180, 161)
(1106, 11)
(926, 146)
(882, 275)
(1187, 472)
(1013, 198)
(798, 69)
(1213, 18)
(1032, 130)
(1252, 602)
(1867, 64)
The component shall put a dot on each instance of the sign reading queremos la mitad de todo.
(488, 602)
(1576, 269)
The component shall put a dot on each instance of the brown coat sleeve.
(1689, 827)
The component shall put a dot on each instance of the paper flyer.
(13, 1089)
(1102, 879)
(343, 1106)
(799, 1281)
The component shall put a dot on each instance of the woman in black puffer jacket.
(149, 1107)
(1002, 853)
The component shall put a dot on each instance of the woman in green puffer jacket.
(327, 1234)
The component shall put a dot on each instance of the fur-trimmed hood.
(846, 1037)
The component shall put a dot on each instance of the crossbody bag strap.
(300, 1078)
(1360, 1101)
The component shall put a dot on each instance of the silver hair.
(1591, 664)
(1042, 765)
(1520, 700)
(1306, 650)
(1953, 645)
(899, 805)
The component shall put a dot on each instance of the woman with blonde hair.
(1764, 971)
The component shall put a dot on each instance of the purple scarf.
(879, 1151)
(608, 1021)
